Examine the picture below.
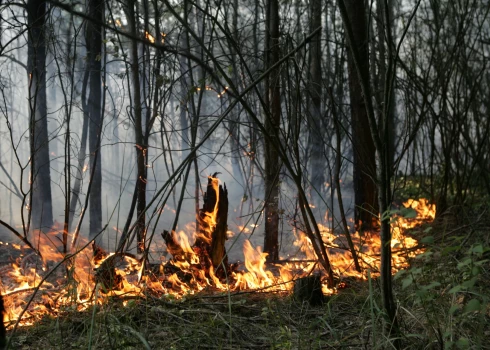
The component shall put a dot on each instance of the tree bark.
(317, 164)
(81, 152)
(184, 87)
(272, 125)
(218, 238)
(383, 27)
(351, 10)
(234, 123)
(140, 144)
(94, 53)
(41, 201)
(365, 190)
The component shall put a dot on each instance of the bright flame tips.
(195, 273)
(150, 37)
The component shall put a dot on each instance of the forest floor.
(443, 303)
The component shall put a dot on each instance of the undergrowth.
(443, 303)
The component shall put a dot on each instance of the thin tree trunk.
(365, 190)
(383, 26)
(317, 165)
(234, 124)
(353, 13)
(337, 183)
(184, 87)
(41, 201)
(140, 145)
(272, 124)
(94, 54)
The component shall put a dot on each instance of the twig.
(21, 237)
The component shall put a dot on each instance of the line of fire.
(41, 280)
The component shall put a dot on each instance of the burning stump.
(107, 265)
(209, 249)
(213, 219)
(309, 289)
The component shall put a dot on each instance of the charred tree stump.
(213, 219)
(218, 238)
(213, 225)
(173, 246)
(309, 289)
(105, 273)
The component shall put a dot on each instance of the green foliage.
(445, 285)
(394, 214)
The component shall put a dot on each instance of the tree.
(141, 146)
(353, 15)
(93, 37)
(317, 162)
(41, 201)
(272, 124)
(380, 75)
(184, 85)
(365, 190)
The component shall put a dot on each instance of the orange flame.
(75, 282)
(150, 37)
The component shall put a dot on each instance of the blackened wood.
(106, 273)
(210, 241)
(309, 289)
(173, 246)
(209, 202)
(218, 252)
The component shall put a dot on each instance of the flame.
(71, 280)
(223, 92)
(208, 220)
(150, 37)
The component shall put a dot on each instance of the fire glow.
(58, 282)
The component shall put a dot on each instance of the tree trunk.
(41, 202)
(317, 164)
(218, 238)
(234, 124)
(184, 88)
(383, 27)
(94, 54)
(365, 191)
(140, 144)
(272, 124)
(81, 152)
(351, 12)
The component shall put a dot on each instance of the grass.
(443, 303)
(257, 321)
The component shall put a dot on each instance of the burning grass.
(111, 288)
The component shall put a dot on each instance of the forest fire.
(33, 286)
